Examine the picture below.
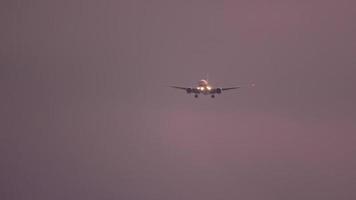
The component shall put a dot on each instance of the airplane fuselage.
(204, 87)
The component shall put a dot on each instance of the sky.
(86, 113)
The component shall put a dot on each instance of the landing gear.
(196, 96)
(212, 96)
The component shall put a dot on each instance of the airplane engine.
(189, 90)
(218, 90)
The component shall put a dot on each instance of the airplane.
(204, 88)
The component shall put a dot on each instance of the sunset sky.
(87, 114)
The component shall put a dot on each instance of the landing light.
(209, 88)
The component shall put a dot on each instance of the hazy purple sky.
(86, 113)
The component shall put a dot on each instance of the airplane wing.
(176, 87)
(229, 88)
(187, 89)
